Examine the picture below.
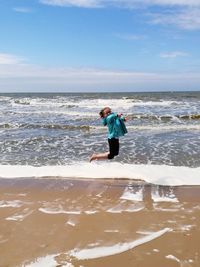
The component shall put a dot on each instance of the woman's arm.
(120, 115)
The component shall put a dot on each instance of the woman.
(116, 128)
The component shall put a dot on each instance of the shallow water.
(57, 129)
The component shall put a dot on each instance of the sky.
(99, 45)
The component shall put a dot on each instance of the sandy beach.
(101, 223)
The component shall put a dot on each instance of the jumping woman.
(116, 128)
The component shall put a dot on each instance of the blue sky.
(99, 45)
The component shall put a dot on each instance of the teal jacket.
(116, 125)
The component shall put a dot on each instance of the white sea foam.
(134, 209)
(156, 174)
(133, 194)
(20, 216)
(119, 209)
(97, 104)
(104, 102)
(186, 228)
(164, 103)
(47, 261)
(98, 252)
(116, 209)
(59, 211)
(89, 212)
(166, 210)
(65, 104)
(163, 197)
(71, 223)
(171, 257)
(160, 128)
(10, 204)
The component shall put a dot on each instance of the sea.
(58, 132)
(139, 209)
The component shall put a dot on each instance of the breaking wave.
(155, 174)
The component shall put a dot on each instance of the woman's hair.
(101, 113)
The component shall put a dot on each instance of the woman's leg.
(100, 156)
(113, 147)
(113, 151)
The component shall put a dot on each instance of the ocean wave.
(154, 174)
(192, 116)
(44, 126)
(74, 114)
(92, 113)
(164, 117)
(22, 102)
(47, 104)
(159, 127)
(97, 103)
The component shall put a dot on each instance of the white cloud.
(77, 3)
(184, 14)
(170, 2)
(173, 54)
(68, 74)
(23, 9)
(188, 19)
(130, 37)
(9, 59)
(121, 3)
(35, 78)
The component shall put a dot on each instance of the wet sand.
(98, 223)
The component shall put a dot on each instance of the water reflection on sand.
(52, 222)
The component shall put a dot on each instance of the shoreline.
(146, 173)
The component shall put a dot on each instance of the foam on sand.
(58, 211)
(155, 174)
(98, 252)
(11, 204)
(133, 194)
(47, 261)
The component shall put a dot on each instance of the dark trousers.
(113, 147)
